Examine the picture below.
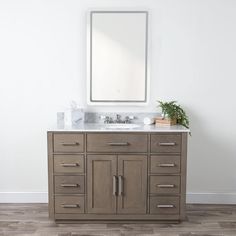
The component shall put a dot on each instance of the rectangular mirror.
(118, 57)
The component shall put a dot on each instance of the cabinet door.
(101, 175)
(132, 175)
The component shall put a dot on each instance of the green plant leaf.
(174, 111)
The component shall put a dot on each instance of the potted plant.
(172, 114)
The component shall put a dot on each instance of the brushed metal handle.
(166, 165)
(121, 185)
(165, 185)
(118, 144)
(114, 191)
(69, 164)
(167, 144)
(70, 144)
(70, 205)
(165, 206)
(70, 185)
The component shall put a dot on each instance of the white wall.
(43, 67)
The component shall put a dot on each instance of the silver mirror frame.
(89, 67)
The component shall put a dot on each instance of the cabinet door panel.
(101, 169)
(132, 170)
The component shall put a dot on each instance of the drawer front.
(69, 184)
(117, 143)
(68, 143)
(164, 205)
(165, 164)
(69, 204)
(165, 143)
(165, 184)
(69, 163)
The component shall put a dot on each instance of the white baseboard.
(42, 197)
(23, 197)
(211, 198)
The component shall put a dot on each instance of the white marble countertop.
(95, 127)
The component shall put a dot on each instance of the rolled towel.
(148, 121)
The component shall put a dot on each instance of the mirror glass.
(118, 56)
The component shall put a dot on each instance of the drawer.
(69, 163)
(69, 204)
(165, 184)
(68, 142)
(165, 164)
(69, 184)
(165, 143)
(164, 205)
(117, 142)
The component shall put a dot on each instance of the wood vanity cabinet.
(126, 176)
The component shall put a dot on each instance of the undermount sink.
(121, 126)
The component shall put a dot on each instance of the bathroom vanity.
(117, 175)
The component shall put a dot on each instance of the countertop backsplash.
(94, 117)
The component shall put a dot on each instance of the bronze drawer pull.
(114, 191)
(118, 144)
(70, 185)
(167, 144)
(166, 165)
(70, 205)
(165, 185)
(165, 206)
(69, 164)
(121, 185)
(70, 144)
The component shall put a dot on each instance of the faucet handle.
(131, 117)
(118, 117)
(106, 119)
(102, 117)
(128, 119)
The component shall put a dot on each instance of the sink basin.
(121, 126)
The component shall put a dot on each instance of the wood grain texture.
(133, 169)
(101, 169)
(68, 143)
(162, 143)
(159, 164)
(108, 159)
(69, 184)
(184, 146)
(202, 220)
(64, 163)
(109, 142)
(50, 175)
(72, 204)
(171, 205)
(164, 184)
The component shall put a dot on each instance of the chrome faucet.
(118, 119)
(108, 120)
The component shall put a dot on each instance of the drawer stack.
(68, 173)
(165, 174)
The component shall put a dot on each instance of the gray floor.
(32, 219)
